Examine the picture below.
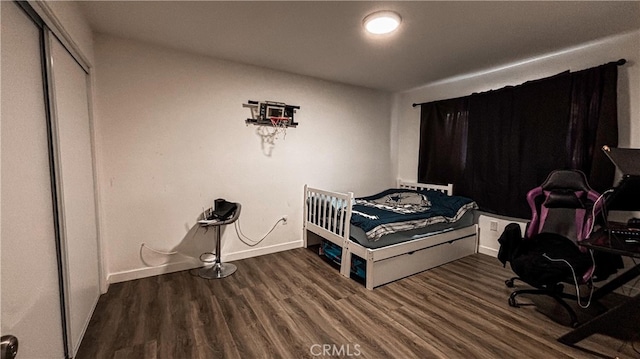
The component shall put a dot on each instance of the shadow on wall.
(195, 248)
(268, 136)
(198, 247)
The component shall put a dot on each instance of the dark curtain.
(443, 148)
(594, 123)
(510, 139)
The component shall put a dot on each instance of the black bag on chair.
(550, 258)
(222, 209)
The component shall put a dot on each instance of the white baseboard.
(255, 252)
(153, 271)
(194, 263)
(488, 251)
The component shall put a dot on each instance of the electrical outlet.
(284, 219)
(494, 226)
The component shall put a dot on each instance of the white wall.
(406, 120)
(171, 138)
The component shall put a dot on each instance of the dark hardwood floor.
(294, 305)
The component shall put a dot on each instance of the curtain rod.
(619, 63)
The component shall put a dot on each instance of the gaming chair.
(550, 254)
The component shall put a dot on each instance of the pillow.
(403, 198)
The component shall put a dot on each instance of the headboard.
(448, 189)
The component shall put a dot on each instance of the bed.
(389, 254)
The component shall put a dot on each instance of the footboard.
(328, 215)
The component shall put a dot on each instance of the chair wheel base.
(218, 271)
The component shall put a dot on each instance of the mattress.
(358, 235)
(402, 209)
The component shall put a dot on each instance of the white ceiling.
(324, 39)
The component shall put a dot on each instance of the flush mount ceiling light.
(382, 22)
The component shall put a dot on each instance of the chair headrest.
(566, 180)
(563, 199)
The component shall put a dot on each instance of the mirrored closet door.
(50, 268)
(31, 307)
(75, 187)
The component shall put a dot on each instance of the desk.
(626, 316)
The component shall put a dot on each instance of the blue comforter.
(397, 210)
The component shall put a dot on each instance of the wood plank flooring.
(294, 305)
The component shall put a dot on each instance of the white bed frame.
(388, 263)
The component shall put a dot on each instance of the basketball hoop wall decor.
(272, 119)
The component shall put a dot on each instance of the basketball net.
(269, 134)
(280, 124)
